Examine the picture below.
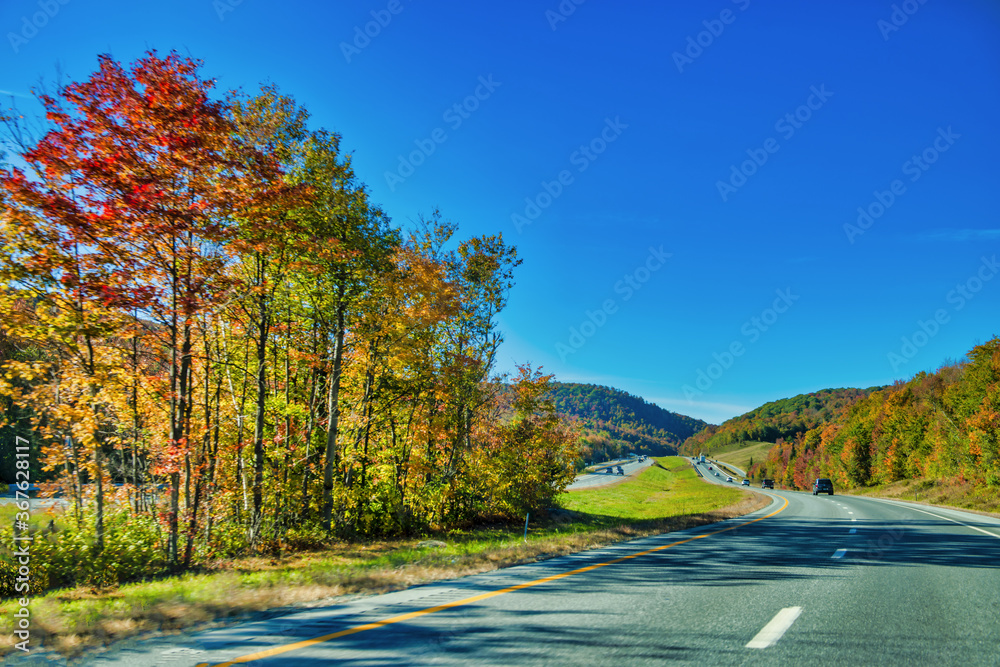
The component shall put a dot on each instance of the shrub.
(69, 557)
(307, 537)
(229, 540)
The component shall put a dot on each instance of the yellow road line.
(278, 650)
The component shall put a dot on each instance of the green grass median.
(670, 488)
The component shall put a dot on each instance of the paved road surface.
(703, 468)
(602, 478)
(37, 503)
(809, 580)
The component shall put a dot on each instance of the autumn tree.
(268, 238)
(176, 268)
(132, 203)
(350, 243)
(525, 451)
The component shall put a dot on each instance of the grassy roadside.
(742, 454)
(943, 493)
(660, 499)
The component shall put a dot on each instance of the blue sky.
(677, 179)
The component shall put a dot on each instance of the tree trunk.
(258, 436)
(99, 500)
(364, 435)
(333, 410)
(307, 467)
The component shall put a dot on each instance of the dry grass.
(955, 493)
(742, 455)
(74, 622)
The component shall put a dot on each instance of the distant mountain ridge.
(784, 418)
(940, 431)
(615, 422)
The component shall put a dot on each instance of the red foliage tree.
(131, 203)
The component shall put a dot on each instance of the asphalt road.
(35, 504)
(602, 478)
(809, 580)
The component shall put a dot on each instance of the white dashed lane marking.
(839, 553)
(774, 630)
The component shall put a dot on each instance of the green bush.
(69, 557)
(229, 540)
(8, 574)
(305, 538)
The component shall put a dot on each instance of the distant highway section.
(602, 477)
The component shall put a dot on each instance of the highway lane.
(38, 504)
(708, 470)
(739, 471)
(864, 582)
(603, 478)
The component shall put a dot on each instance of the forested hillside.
(615, 422)
(783, 418)
(942, 425)
(215, 341)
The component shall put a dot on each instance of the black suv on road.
(822, 485)
(767, 484)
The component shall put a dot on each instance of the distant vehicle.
(767, 484)
(822, 485)
(709, 467)
(746, 482)
(716, 473)
(620, 471)
(729, 479)
(702, 458)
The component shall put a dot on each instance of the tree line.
(206, 322)
(941, 425)
(615, 423)
(777, 420)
